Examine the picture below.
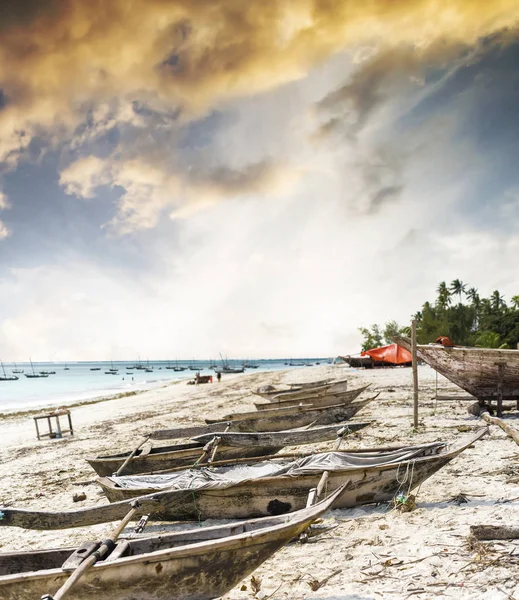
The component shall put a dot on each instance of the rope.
(198, 513)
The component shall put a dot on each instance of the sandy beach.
(371, 552)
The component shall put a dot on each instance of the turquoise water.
(80, 383)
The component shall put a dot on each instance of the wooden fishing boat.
(276, 420)
(358, 362)
(199, 564)
(149, 459)
(161, 458)
(327, 400)
(291, 417)
(284, 484)
(476, 370)
(301, 393)
(371, 479)
(291, 437)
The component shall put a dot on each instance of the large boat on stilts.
(486, 373)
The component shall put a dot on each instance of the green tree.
(457, 287)
(489, 339)
(497, 301)
(473, 296)
(515, 302)
(444, 298)
(391, 328)
(372, 337)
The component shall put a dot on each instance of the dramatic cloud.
(255, 177)
(185, 55)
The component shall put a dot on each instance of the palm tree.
(515, 301)
(497, 300)
(457, 287)
(443, 296)
(473, 296)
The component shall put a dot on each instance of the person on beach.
(218, 376)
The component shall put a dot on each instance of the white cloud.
(83, 176)
(4, 232)
(4, 202)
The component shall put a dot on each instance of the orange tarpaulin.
(393, 354)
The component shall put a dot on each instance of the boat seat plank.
(79, 555)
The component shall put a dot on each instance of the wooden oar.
(316, 492)
(104, 549)
(129, 458)
(211, 446)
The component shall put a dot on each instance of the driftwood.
(510, 431)
(494, 532)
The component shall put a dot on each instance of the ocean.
(77, 382)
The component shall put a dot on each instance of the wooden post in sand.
(415, 373)
(500, 377)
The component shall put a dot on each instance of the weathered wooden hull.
(282, 494)
(309, 391)
(327, 400)
(358, 362)
(170, 567)
(475, 370)
(168, 457)
(293, 417)
(284, 438)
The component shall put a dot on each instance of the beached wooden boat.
(160, 458)
(326, 400)
(302, 392)
(370, 480)
(292, 416)
(291, 437)
(199, 564)
(149, 459)
(282, 485)
(282, 419)
(358, 362)
(476, 370)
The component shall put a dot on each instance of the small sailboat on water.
(35, 375)
(112, 370)
(7, 377)
(16, 369)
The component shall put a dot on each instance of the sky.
(184, 178)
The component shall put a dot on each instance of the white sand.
(379, 552)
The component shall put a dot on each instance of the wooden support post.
(415, 374)
(500, 377)
(37, 430)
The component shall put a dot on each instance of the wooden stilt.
(500, 377)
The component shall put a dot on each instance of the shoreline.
(89, 399)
